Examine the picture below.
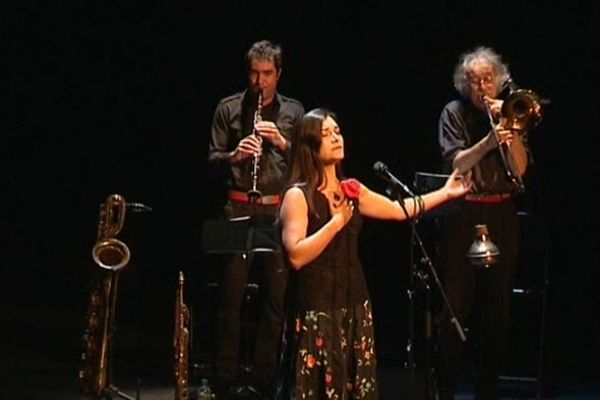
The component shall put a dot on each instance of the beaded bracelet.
(421, 205)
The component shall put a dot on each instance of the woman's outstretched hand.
(457, 185)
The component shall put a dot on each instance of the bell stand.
(424, 277)
(246, 236)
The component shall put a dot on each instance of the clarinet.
(254, 194)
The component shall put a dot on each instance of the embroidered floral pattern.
(335, 355)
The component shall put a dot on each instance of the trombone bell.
(522, 110)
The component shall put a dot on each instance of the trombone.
(522, 111)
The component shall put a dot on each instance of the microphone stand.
(410, 357)
(423, 276)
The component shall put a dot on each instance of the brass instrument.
(522, 111)
(181, 343)
(254, 194)
(111, 255)
(108, 252)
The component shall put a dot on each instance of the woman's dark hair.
(306, 167)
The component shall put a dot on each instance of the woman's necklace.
(335, 194)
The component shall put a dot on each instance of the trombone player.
(484, 138)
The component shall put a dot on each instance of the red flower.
(351, 188)
(319, 342)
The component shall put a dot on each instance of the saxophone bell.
(109, 252)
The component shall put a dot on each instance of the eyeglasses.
(486, 80)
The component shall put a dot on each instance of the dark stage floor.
(43, 381)
(40, 352)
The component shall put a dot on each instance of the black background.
(103, 97)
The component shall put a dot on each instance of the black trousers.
(480, 297)
(269, 271)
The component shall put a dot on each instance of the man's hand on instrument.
(495, 106)
(247, 147)
(269, 131)
(504, 135)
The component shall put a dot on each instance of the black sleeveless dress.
(330, 349)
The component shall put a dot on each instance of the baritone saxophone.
(111, 255)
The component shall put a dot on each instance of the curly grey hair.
(481, 53)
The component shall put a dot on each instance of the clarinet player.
(250, 144)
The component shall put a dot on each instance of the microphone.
(138, 207)
(383, 172)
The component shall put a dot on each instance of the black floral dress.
(330, 351)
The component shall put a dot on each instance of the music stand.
(244, 236)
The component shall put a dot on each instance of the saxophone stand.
(111, 391)
(424, 278)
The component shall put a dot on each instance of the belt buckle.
(263, 200)
(268, 200)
